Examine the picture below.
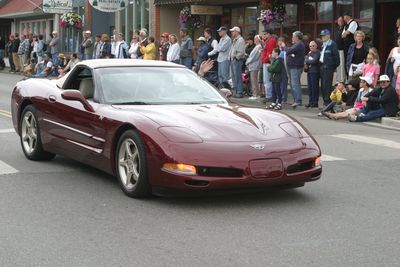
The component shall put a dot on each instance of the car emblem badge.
(258, 146)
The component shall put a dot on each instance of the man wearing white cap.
(87, 44)
(54, 47)
(223, 48)
(236, 56)
(380, 102)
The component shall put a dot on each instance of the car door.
(75, 131)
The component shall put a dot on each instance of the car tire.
(131, 165)
(30, 138)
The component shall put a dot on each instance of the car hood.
(217, 123)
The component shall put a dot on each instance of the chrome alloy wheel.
(129, 163)
(29, 132)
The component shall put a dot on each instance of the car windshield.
(155, 85)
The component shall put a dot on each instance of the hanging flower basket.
(272, 11)
(71, 20)
(189, 21)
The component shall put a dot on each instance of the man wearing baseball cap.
(236, 56)
(223, 48)
(329, 61)
(87, 45)
(380, 102)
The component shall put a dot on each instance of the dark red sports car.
(156, 126)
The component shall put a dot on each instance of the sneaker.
(308, 105)
(295, 105)
(272, 106)
(319, 114)
(352, 118)
(278, 107)
(252, 98)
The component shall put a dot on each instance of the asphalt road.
(63, 213)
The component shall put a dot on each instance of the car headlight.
(294, 129)
(180, 134)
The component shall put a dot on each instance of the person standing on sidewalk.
(295, 62)
(54, 48)
(23, 51)
(312, 63)
(349, 29)
(8, 50)
(186, 49)
(329, 61)
(223, 48)
(87, 44)
(253, 64)
(2, 52)
(14, 48)
(236, 56)
(275, 68)
(341, 70)
(284, 75)
(270, 44)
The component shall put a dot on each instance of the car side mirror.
(75, 95)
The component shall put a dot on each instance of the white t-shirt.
(352, 27)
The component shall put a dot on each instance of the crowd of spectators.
(271, 64)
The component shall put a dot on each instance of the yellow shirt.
(149, 52)
(336, 96)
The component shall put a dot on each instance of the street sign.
(109, 5)
(57, 6)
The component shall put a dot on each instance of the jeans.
(254, 82)
(87, 57)
(267, 81)
(276, 93)
(313, 87)
(187, 62)
(341, 70)
(223, 72)
(54, 59)
(236, 67)
(326, 82)
(371, 115)
(284, 85)
(294, 74)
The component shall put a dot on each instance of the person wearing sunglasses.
(380, 102)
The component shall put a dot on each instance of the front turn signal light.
(317, 162)
(180, 168)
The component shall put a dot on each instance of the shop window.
(364, 9)
(309, 11)
(367, 28)
(308, 29)
(344, 6)
(246, 19)
(323, 26)
(290, 24)
(325, 10)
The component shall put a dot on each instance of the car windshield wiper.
(133, 103)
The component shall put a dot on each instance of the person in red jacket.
(270, 45)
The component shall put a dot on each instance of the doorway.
(386, 27)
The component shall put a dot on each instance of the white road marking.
(325, 158)
(5, 113)
(6, 169)
(369, 140)
(7, 131)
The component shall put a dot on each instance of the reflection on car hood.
(218, 123)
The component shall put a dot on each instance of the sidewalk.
(385, 122)
(392, 123)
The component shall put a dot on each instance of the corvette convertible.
(158, 127)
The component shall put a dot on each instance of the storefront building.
(24, 17)
(376, 18)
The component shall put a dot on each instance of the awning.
(171, 2)
(20, 8)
